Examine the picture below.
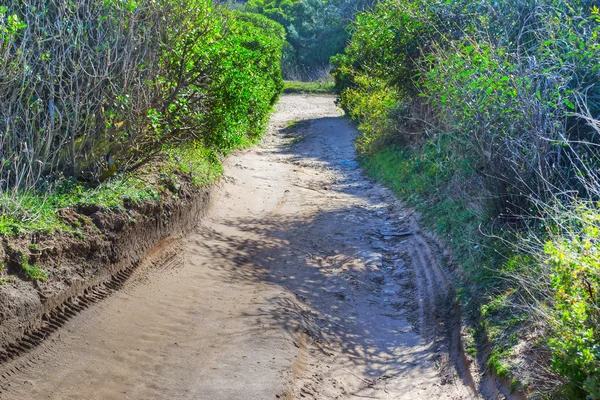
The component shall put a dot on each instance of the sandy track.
(305, 280)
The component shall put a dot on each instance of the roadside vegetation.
(111, 103)
(308, 87)
(484, 116)
(316, 30)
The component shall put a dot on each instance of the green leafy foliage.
(246, 79)
(574, 263)
(33, 272)
(315, 32)
(200, 164)
(94, 91)
(484, 115)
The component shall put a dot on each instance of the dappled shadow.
(324, 256)
(339, 308)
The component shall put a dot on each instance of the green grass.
(201, 165)
(31, 211)
(33, 272)
(36, 211)
(291, 87)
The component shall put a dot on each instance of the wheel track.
(437, 294)
(438, 311)
(10, 357)
(19, 356)
(421, 282)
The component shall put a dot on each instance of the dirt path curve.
(305, 280)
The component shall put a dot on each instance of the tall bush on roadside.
(510, 89)
(85, 85)
(92, 88)
(245, 78)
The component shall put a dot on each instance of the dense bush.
(315, 31)
(245, 78)
(498, 102)
(92, 88)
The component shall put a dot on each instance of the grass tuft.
(296, 87)
(37, 212)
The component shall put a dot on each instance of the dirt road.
(305, 280)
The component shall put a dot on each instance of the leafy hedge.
(246, 79)
(315, 31)
(493, 107)
(91, 88)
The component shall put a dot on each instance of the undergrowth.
(484, 116)
(316, 87)
(36, 211)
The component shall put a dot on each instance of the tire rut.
(20, 355)
(438, 311)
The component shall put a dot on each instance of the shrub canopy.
(92, 88)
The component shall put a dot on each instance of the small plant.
(170, 180)
(514, 384)
(33, 272)
(497, 364)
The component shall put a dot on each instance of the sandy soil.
(305, 280)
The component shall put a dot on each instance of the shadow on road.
(324, 255)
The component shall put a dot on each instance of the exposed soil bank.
(83, 269)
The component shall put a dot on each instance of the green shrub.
(246, 79)
(92, 91)
(574, 264)
(485, 116)
(88, 84)
(94, 88)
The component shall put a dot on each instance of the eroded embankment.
(85, 269)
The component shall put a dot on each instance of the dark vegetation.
(316, 30)
(485, 116)
(111, 103)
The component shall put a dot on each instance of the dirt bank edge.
(473, 370)
(84, 269)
